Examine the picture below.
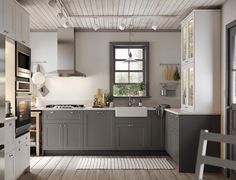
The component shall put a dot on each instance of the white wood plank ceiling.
(110, 14)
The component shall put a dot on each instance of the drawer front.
(62, 115)
(22, 139)
(9, 135)
(130, 120)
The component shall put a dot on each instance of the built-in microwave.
(23, 61)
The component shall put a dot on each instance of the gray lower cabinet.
(99, 130)
(182, 137)
(131, 136)
(62, 130)
(131, 133)
(156, 131)
(53, 136)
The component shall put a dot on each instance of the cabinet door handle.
(19, 149)
(23, 42)
(19, 142)
(51, 112)
(9, 124)
(10, 155)
(71, 112)
(130, 125)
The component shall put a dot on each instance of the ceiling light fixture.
(154, 27)
(66, 24)
(130, 56)
(60, 15)
(122, 26)
(95, 25)
(52, 3)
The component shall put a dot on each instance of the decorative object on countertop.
(99, 99)
(109, 99)
(141, 91)
(176, 74)
(163, 90)
(140, 104)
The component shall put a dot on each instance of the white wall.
(92, 58)
(228, 15)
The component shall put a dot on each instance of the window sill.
(133, 97)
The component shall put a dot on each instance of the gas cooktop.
(64, 106)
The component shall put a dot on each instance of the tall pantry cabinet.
(200, 62)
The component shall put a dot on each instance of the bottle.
(140, 104)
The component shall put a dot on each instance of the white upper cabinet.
(200, 64)
(22, 26)
(7, 22)
(14, 21)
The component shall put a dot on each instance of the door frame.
(227, 79)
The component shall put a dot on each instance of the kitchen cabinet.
(99, 130)
(131, 133)
(62, 130)
(9, 135)
(200, 65)
(182, 136)
(22, 26)
(156, 131)
(7, 22)
(73, 136)
(53, 136)
(10, 165)
(188, 87)
(172, 136)
(22, 154)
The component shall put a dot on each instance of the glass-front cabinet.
(188, 41)
(187, 87)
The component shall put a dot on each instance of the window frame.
(130, 45)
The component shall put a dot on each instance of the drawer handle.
(130, 125)
(52, 112)
(71, 112)
(99, 112)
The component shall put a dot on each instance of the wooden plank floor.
(64, 168)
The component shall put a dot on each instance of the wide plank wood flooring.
(64, 168)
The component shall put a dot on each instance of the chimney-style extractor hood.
(66, 54)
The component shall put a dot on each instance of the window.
(127, 76)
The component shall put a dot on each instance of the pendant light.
(130, 56)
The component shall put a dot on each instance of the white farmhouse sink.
(131, 111)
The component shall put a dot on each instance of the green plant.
(109, 97)
(142, 86)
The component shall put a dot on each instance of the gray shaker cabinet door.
(131, 136)
(73, 136)
(157, 131)
(53, 136)
(99, 128)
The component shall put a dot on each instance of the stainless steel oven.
(23, 61)
(23, 108)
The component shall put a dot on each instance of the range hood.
(66, 54)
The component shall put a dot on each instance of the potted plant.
(141, 91)
(109, 99)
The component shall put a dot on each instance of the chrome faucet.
(131, 101)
